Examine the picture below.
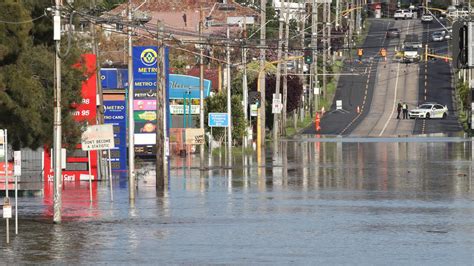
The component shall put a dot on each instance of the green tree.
(218, 104)
(27, 79)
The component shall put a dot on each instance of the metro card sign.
(98, 137)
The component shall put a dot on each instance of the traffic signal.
(254, 98)
(308, 56)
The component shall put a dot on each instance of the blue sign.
(181, 85)
(218, 120)
(114, 78)
(145, 66)
(115, 113)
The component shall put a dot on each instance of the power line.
(22, 22)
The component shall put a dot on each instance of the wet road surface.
(316, 201)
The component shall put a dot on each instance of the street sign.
(277, 106)
(98, 137)
(179, 109)
(253, 110)
(7, 209)
(316, 91)
(17, 163)
(194, 136)
(218, 120)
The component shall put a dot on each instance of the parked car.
(437, 36)
(403, 14)
(429, 110)
(393, 33)
(426, 18)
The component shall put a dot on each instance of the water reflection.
(332, 201)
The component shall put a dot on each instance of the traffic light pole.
(277, 82)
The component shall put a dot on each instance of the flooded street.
(315, 201)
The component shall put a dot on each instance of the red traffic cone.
(317, 120)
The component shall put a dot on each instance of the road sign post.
(97, 137)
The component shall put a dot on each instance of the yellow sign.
(148, 116)
(195, 136)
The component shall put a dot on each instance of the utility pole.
(100, 103)
(201, 85)
(229, 97)
(285, 69)
(244, 81)
(160, 112)
(276, 117)
(261, 110)
(305, 84)
(325, 47)
(314, 47)
(131, 126)
(57, 145)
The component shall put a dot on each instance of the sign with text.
(145, 66)
(176, 109)
(218, 120)
(98, 137)
(194, 136)
(253, 110)
(17, 163)
(146, 105)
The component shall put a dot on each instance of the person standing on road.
(405, 110)
(399, 109)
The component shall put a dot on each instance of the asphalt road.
(436, 85)
(355, 88)
(379, 85)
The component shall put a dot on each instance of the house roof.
(171, 12)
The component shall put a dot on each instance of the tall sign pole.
(131, 125)
(57, 202)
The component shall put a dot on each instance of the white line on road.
(394, 101)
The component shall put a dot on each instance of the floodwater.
(316, 201)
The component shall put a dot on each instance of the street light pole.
(131, 126)
(57, 145)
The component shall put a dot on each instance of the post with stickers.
(7, 209)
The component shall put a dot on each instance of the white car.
(437, 36)
(426, 18)
(402, 14)
(429, 110)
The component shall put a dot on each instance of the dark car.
(393, 33)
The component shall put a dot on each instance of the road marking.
(394, 101)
